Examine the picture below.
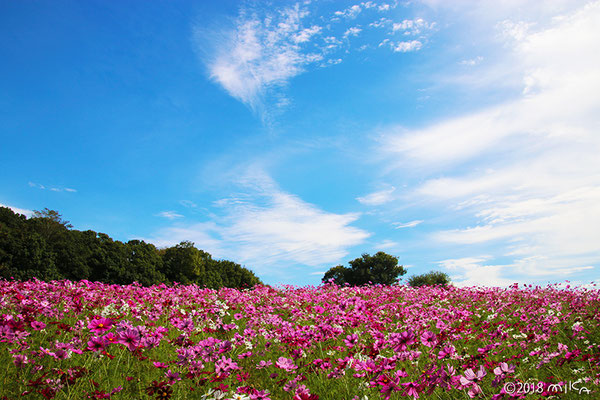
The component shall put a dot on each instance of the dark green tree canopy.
(430, 278)
(381, 268)
(45, 247)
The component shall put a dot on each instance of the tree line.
(46, 247)
(380, 268)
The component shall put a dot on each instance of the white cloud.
(169, 215)
(411, 224)
(377, 198)
(368, 4)
(386, 244)
(381, 22)
(515, 30)
(27, 213)
(265, 48)
(350, 12)
(470, 271)
(306, 34)
(259, 54)
(353, 31)
(37, 185)
(412, 26)
(472, 61)
(52, 189)
(265, 227)
(405, 47)
(386, 7)
(526, 170)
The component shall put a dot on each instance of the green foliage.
(45, 247)
(430, 278)
(381, 268)
(338, 274)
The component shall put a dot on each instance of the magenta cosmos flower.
(225, 364)
(351, 340)
(96, 344)
(428, 339)
(100, 325)
(130, 338)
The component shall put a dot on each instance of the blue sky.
(290, 137)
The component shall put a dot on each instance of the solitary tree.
(380, 268)
(430, 278)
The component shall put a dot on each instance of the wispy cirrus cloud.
(51, 188)
(411, 224)
(377, 198)
(525, 170)
(188, 203)
(256, 57)
(169, 214)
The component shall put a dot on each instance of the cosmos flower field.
(78, 340)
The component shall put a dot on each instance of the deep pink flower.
(447, 351)
(38, 325)
(225, 364)
(172, 377)
(428, 339)
(412, 389)
(351, 340)
(130, 338)
(100, 325)
(402, 340)
(96, 344)
(159, 364)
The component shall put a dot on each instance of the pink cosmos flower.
(96, 344)
(110, 338)
(402, 340)
(286, 364)
(351, 340)
(172, 377)
(447, 351)
(260, 395)
(412, 389)
(38, 325)
(100, 325)
(563, 347)
(428, 339)
(263, 364)
(504, 369)
(20, 360)
(472, 377)
(225, 364)
(130, 338)
(61, 354)
(388, 385)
